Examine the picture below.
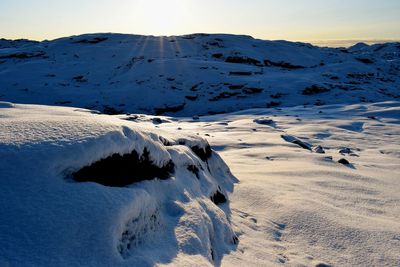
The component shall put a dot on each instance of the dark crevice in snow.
(122, 170)
(112, 111)
(314, 89)
(165, 109)
(194, 169)
(218, 198)
(25, 55)
(243, 60)
(282, 64)
(203, 153)
(202, 150)
(94, 40)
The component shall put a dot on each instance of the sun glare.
(163, 17)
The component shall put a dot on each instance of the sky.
(297, 20)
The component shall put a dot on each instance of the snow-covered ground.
(194, 74)
(293, 205)
(304, 171)
(297, 207)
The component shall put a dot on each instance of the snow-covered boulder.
(83, 189)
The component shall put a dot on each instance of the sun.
(163, 17)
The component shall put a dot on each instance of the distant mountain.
(194, 74)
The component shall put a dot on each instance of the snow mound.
(80, 188)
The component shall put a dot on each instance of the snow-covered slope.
(83, 189)
(194, 74)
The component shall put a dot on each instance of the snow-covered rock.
(172, 205)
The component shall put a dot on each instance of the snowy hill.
(195, 74)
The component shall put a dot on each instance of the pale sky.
(302, 20)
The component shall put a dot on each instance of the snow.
(191, 75)
(256, 141)
(48, 219)
(296, 207)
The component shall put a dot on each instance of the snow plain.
(295, 111)
(296, 207)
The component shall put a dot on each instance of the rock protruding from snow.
(80, 188)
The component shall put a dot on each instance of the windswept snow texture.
(296, 206)
(195, 74)
(50, 218)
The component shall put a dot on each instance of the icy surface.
(193, 74)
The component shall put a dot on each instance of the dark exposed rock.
(243, 60)
(157, 121)
(217, 55)
(224, 95)
(252, 90)
(194, 169)
(160, 111)
(282, 64)
(25, 55)
(273, 104)
(235, 240)
(79, 78)
(195, 87)
(344, 161)
(62, 102)
(276, 96)
(122, 170)
(235, 87)
(345, 150)
(365, 60)
(319, 149)
(203, 153)
(94, 40)
(218, 198)
(240, 73)
(365, 76)
(191, 97)
(314, 89)
(264, 121)
(217, 43)
(294, 140)
(112, 111)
